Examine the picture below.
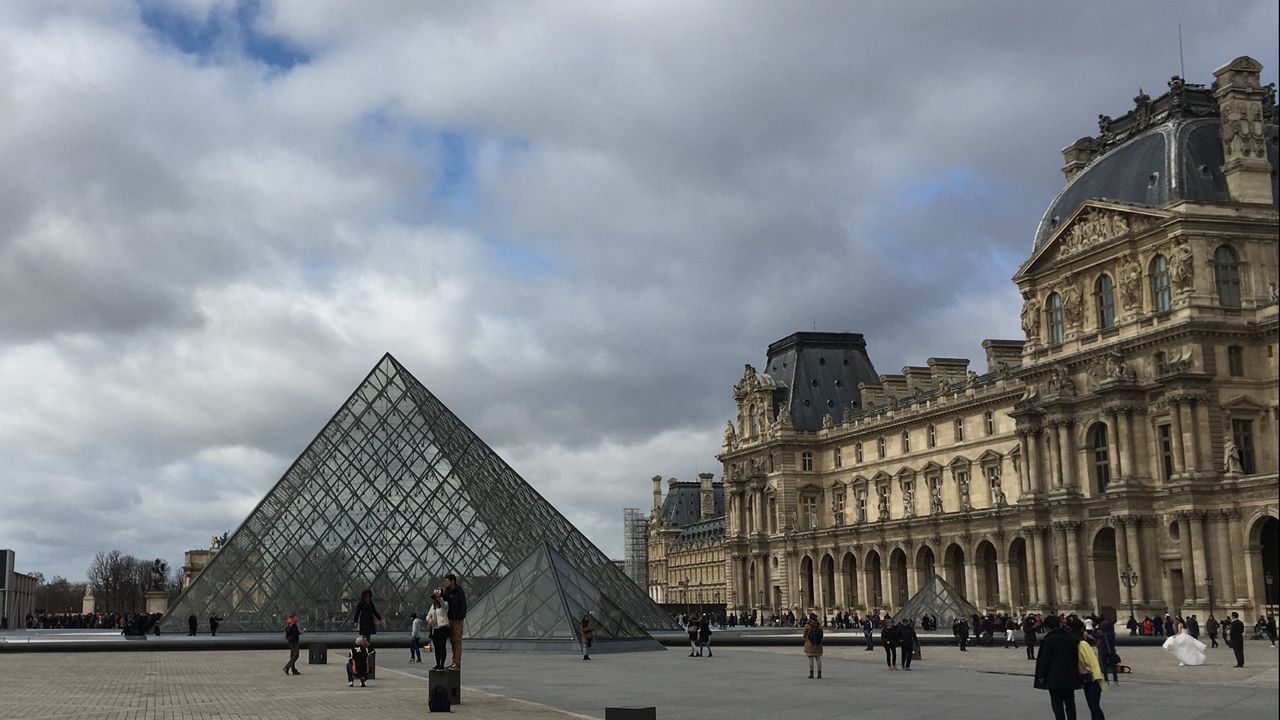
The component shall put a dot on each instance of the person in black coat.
(366, 615)
(960, 628)
(907, 639)
(1058, 669)
(1029, 627)
(192, 623)
(1235, 638)
(889, 639)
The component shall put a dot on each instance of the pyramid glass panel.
(393, 493)
(940, 600)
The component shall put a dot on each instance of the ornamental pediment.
(1094, 224)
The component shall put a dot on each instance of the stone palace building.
(1125, 451)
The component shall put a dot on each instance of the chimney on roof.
(1079, 154)
(1003, 354)
(707, 501)
(657, 494)
(1239, 92)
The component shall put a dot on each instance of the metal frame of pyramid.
(939, 599)
(393, 493)
(539, 605)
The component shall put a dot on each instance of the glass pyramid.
(539, 606)
(393, 493)
(938, 599)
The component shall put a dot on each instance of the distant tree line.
(120, 581)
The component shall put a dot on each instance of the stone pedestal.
(88, 605)
(450, 680)
(157, 602)
(317, 654)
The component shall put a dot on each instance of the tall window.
(880, 446)
(1166, 451)
(809, 512)
(1104, 300)
(1235, 360)
(836, 459)
(837, 507)
(1226, 274)
(861, 496)
(993, 484)
(806, 461)
(959, 429)
(1159, 278)
(906, 442)
(989, 419)
(1101, 461)
(1053, 311)
(1242, 433)
(932, 434)
(857, 452)
(752, 428)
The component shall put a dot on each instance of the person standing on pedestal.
(366, 616)
(438, 627)
(457, 602)
(1235, 638)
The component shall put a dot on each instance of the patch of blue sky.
(208, 37)
(928, 189)
(524, 260)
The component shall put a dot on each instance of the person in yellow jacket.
(1090, 675)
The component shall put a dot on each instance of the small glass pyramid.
(938, 599)
(393, 493)
(539, 606)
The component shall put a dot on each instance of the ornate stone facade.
(686, 543)
(1131, 437)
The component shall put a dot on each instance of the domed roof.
(1163, 151)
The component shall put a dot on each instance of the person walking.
(867, 634)
(889, 639)
(192, 623)
(1029, 627)
(691, 628)
(1058, 669)
(438, 627)
(813, 645)
(1091, 676)
(1235, 638)
(214, 621)
(293, 634)
(907, 642)
(415, 638)
(456, 600)
(1106, 652)
(1270, 629)
(1211, 626)
(1193, 627)
(960, 628)
(1185, 647)
(358, 660)
(1010, 638)
(587, 634)
(704, 635)
(366, 616)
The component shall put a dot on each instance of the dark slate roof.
(683, 504)
(705, 531)
(820, 373)
(1178, 159)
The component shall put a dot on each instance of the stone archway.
(849, 571)
(898, 576)
(1263, 553)
(875, 589)
(1106, 573)
(924, 566)
(987, 595)
(1019, 575)
(806, 583)
(828, 574)
(953, 563)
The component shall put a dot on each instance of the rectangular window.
(862, 505)
(806, 461)
(857, 452)
(837, 507)
(836, 460)
(933, 437)
(959, 429)
(993, 485)
(1242, 433)
(809, 512)
(1235, 360)
(880, 447)
(906, 442)
(1166, 451)
(990, 420)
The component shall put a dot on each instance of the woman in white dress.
(1187, 649)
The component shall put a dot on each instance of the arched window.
(1159, 278)
(1053, 311)
(1226, 274)
(906, 441)
(1104, 300)
(1101, 461)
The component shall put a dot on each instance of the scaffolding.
(635, 546)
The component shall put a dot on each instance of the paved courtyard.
(737, 683)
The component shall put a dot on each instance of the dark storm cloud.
(574, 222)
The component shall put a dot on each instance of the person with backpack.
(293, 634)
(813, 644)
(691, 627)
(358, 659)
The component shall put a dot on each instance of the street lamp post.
(1130, 580)
(1271, 580)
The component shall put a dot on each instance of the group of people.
(699, 629)
(442, 625)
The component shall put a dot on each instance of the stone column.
(1175, 418)
(1193, 452)
(1189, 584)
(1002, 574)
(762, 512)
(1066, 573)
(1042, 565)
(886, 583)
(1114, 466)
(1033, 569)
(1055, 458)
(1236, 538)
(1024, 484)
(1130, 444)
(1076, 591)
(1198, 554)
(1124, 444)
(1034, 466)
(1226, 580)
(1067, 451)
(1133, 556)
(971, 582)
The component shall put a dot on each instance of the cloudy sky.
(574, 222)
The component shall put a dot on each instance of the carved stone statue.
(908, 503)
(784, 418)
(935, 501)
(1231, 457)
(730, 435)
(882, 504)
(1182, 266)
(1131, 284)
(1072, 307)
(1060, 382)
(1031, 318)
(964, 493)
(997, 496)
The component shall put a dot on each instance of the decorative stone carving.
(882, 503)
(1031, 318)
(1072, 305)
(963, 487)
(1060, 382)
(1092, 227)
(1110, 368)
(1178, 360)
(730, 435)
(1131, 284)
(784, 418)
(935, 500)
(908, 502)
(1182, 265)
(828, 422)
(1231, 457)
(1242, 131)
(997, 497)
